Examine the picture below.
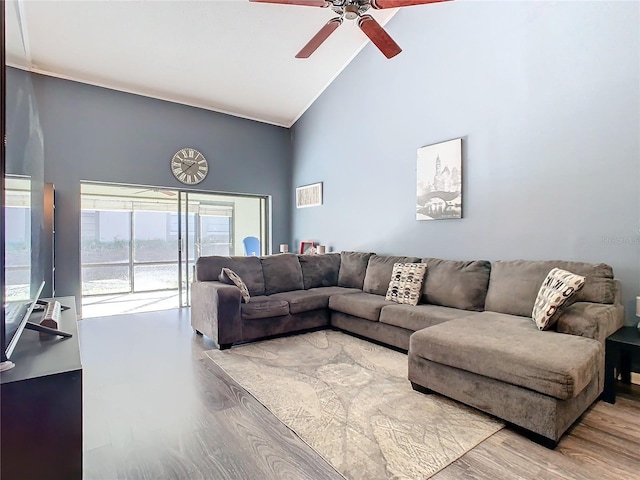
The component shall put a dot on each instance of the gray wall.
(546, 98)
(96, 134)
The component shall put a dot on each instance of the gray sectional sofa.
(470, 338)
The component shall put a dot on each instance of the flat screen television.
(21, 156)
(16, 316)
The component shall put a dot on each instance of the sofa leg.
(198, 332)
(535, 437)
(225, 346)
(421, 389)
(548, 443)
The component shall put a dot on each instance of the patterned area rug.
(350, 400)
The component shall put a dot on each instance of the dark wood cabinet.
(622, 350)
(41, 405)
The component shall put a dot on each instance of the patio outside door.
(143, 242)
(213, 224)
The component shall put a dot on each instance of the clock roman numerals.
(189, 166)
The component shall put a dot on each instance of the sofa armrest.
(593, 320)
(215, 311)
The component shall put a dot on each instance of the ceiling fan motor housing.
(351, 12)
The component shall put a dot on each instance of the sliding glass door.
(137, 240)
(217, 225)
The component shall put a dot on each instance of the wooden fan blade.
(380, 4)
(378, 36)
(319, 38)
(304, 3)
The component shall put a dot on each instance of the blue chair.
(251, 246)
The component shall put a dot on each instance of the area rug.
(350, 400)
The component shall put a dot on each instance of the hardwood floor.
(155, 407)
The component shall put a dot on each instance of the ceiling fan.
(169, 193)
(352, 10)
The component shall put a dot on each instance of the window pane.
(105, 236)
(155, 277)
(17, 252)
(105, 279)
(215, 235)
(18, 280)
(154, 237)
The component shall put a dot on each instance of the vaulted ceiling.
(229, 56)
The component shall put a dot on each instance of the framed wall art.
(307, 247)
(439, 181)
(309, 195)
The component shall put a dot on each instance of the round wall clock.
(189, 166)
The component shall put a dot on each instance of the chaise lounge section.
(471, 336)
(499, 362)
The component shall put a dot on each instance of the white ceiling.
(229, 56)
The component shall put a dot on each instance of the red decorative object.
(307, 245)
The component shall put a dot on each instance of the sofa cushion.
(456, 283)
(353, 266)
(282, 273)
(320, 270)
(405, 286)
(592, 320)
(421, 316)
(511, 349)
(363, 305)
(514, 284)
(263, 307)
(335, 290)
(555, 291)
(378, 274)
(306, 300)
(230, 277)
(247, 268)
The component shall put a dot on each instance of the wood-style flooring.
(155, 407)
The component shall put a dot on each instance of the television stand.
(41, 408)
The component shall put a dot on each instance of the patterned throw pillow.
(229, 276)
(554, 292)
(406, 283)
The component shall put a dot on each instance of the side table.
(621, 349)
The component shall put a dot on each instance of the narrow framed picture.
(309, 195)
(439, 181)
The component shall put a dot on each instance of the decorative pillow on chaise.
(229, 276)
(555, 291)
(406, 283)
